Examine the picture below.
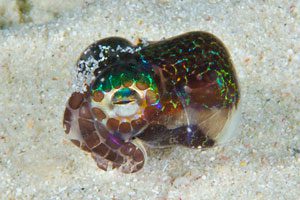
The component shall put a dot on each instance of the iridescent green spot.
(115, 81)
(219, 81)
(105, 85)
(214, 53)
(174, 104)
(144, 80)
(126, 78)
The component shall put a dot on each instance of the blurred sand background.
(40, 41)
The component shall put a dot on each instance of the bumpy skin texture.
(179, 91)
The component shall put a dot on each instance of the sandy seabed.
(38, 56)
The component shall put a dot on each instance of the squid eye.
(125, 96)
(122, 102)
